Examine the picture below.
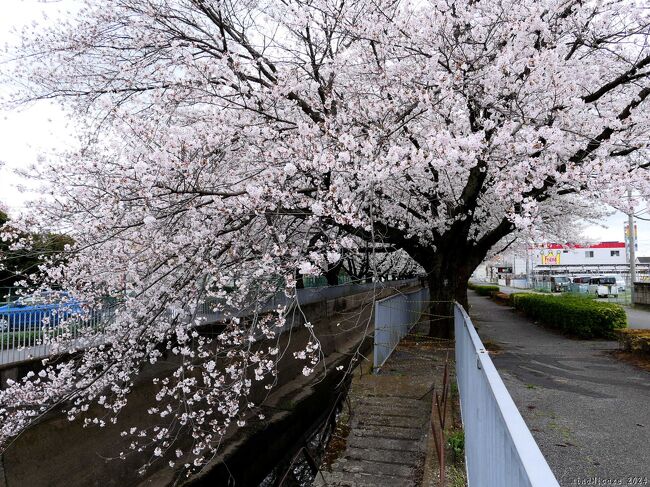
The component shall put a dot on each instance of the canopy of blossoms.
(229, 147)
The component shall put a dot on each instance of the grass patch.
(634, 341)
(483, 290)
(456, 443)
(581, 295)
(456, 476)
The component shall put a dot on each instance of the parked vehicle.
(33, 312)
(620, 283)
(581, 279)
(580, 284)
(560, 284)
(603, 286)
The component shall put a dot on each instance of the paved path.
(636, 317)
(589, 412)
(389, 426)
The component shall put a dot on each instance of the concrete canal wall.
(56, 452)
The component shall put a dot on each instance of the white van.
(620, 283)
(603, 286)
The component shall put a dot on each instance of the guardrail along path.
(587, 410)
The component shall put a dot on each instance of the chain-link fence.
(614, 288)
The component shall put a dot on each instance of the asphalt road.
(636, 317)
(588, 411)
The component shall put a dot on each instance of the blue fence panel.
(28, 335)
(394, 318)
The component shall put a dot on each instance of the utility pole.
(528, 278)
(631, 243)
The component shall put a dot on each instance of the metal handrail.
(499, 447)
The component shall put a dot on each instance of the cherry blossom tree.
(374, 260)
(221, 137)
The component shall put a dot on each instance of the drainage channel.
(300, 466)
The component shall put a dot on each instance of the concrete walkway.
(589, 412)
(390, 422)
(638, 318)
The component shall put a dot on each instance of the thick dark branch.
(630, 75)
(491, 238)
(262, 62)
(607, 132)
(315, 115)
(472, 189)
(624, 152)
(540, 194)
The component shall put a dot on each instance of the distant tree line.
(20, 267)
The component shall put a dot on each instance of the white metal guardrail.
(394, 318)
(25, 335)
(499, 448)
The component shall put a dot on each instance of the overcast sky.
(42, 129)
(33, 131)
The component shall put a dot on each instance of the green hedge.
(575, 315)
(483, 290)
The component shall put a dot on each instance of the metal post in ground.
(631, 243)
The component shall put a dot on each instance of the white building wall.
(579, 256)
(608, 257)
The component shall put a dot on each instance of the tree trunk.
(300, 281)
(447, 284)
(332, 274)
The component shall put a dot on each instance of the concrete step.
(396, 421)
(373, 410)
(386, 456)
(395, 402)
(398, 405)
(363, 429)
(383, 443)
(374, 468)
(348, 479)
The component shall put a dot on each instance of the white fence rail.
(394, 318)
(499, 448)
(27, 335)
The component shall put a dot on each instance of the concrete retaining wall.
(642, 293)
(56, 452)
